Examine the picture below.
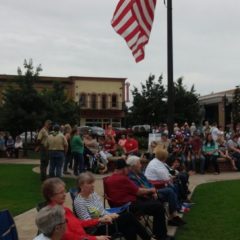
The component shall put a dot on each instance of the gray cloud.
(75, 37)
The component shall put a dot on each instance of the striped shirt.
(88, 208)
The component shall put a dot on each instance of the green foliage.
(236, 106)
(215, 215)
(186, 103)
(59, 108)
(150, 106)
(25, 109)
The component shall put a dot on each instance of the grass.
(216, 213)
(21, 187)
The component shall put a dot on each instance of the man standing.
(57, 146)
(41, 146)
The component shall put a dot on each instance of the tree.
(148, 105)
(59, 108)
(23, 108)
(186, 103)
(236, 106)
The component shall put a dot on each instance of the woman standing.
(68, 155)
(77, 148)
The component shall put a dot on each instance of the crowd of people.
(146, 190)
(64, 148)
(126, 185)
(196, 149)
(10, 147)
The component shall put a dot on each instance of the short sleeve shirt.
(43, 136)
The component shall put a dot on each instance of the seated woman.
(88, 205)
(54, 192)
(223, 151)
(211, 153)
(51, 223)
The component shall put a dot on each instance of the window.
(93, 101)
(114, 100)
(83, 100)
(104, 101)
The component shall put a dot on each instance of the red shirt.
(121, 189)
(109, 146)
(75, 227)
(196, 144)
(131, 144)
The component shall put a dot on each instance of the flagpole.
(170, 117)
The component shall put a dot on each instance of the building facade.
(101, 100)
(217, 107)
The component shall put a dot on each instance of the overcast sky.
(75, 38)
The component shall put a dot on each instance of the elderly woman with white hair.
(51, 222)
(166, 194)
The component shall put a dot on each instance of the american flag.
(133, 20)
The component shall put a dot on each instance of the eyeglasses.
(62, 192)
(65, 221)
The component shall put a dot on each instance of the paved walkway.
(26, 222)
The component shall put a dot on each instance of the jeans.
(213, 160)
(152, 208)
(78, 163)
(201, 160)
(68, 158)
(56, 163)
(44, 160)
(236, 157)
(169, 196)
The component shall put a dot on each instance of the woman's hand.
(114, 216)
(155, 196)
(104, 237)
(105, 219)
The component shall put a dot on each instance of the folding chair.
(73, 193)
(8, 230)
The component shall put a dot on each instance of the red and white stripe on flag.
(133, 20)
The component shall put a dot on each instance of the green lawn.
(216, 213)
(21, 188)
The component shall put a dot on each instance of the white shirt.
(215, 132)
(156, 170)
(41, 237)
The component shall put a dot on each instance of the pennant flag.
(133, 20)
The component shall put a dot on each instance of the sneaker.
(187, 205)
(66, 173)
(184, 210)
(179, 219)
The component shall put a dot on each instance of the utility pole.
(170, 118)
